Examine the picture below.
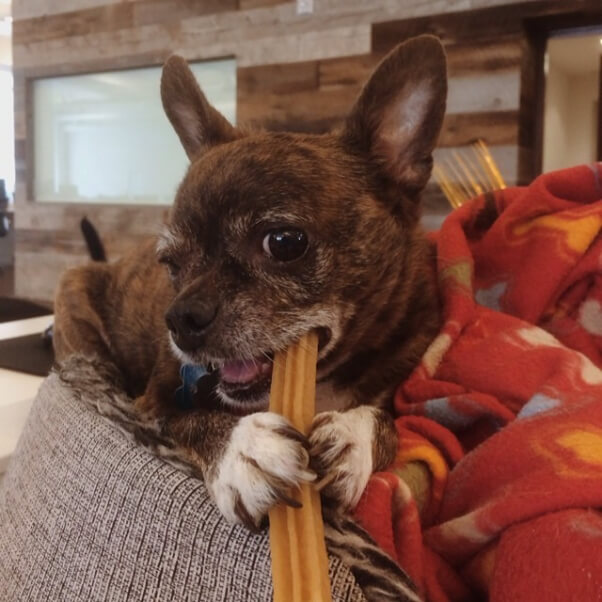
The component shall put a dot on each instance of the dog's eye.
(285, 245)
(172, 267)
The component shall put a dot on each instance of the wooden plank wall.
(297, 72)
(315, 96)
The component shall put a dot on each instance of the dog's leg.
(248, 463)
(159, 399)
(78, 325)
(347, 447)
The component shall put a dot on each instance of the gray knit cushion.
(86, 513)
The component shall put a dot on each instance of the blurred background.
(82, 133)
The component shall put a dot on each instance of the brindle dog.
(272, 235)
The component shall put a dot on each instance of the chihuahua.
(272, 235)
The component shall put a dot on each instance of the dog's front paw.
(264, 458)
(341, 449)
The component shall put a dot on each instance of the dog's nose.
(188, 322)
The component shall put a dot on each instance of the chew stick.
(299, 559)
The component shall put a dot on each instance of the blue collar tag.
(190, 375)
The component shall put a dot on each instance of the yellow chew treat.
(299, 560)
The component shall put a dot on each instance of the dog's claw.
(325, 481)
(291, 433)
(243, 514)
(290, 501)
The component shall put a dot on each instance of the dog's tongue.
(242, 371)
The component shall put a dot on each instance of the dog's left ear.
(198, 124)
(399, 113)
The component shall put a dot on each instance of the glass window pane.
(104, 138)
(7, 132)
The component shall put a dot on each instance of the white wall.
(6, 51)
(570, 118)
(555, 134)
(582, 118)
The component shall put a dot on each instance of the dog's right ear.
(198, 125)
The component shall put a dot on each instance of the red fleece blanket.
(496, 491)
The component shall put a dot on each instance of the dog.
(272, 235)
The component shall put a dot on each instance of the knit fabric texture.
(86, 513)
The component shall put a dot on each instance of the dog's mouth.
(242, 372)
(244, 384)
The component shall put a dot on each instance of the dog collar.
(190, 375)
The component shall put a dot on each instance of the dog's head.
(275, 234)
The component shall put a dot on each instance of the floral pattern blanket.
(496, 491)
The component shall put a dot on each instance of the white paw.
(341, 452)
(264, 458)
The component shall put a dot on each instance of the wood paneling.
(114, 17)
(347, 71)
(48, 239)
(37, 273)
(373, 11)
(299, 72)
(27, 9)
(494, 118)
(263, 33)
(249, 4)
(495, 128)
(109, 219)
(312, 111)
(465, 58)
(81, 22)
(70, 242)
(457, 28)
(316, 96)
(276, 79)
(484, 21)
(530, 119)
(148, 12)
(195, 39)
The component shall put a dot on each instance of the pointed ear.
(198, 125)
(399, 113)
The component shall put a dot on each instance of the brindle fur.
(368, 264)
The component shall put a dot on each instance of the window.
(103, 137)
